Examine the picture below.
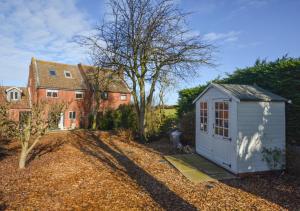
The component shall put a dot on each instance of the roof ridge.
(59, 63)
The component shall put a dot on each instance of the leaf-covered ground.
(81, 170)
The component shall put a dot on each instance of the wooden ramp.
(198, 169)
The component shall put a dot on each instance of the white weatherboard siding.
(260, 124)
(222, 151)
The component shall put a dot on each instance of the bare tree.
(33, 125)
(145, 39)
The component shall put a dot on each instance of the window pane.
(221, 106)
(11, 95)
(226, 123)
(221, 122)
(54, 94)
(221, 114)
(225, 114)
(221, 131)
(225, 106)
(205, 105)
(52, 73)
(16, 95)
(226, 132)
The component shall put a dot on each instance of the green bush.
(186, 97)
(187, 127)
(105, 120)
(124, 117)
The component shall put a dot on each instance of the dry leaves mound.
(83, 170)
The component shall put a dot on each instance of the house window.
(52, 72)
(123, 97)
(203, 116)
(72, 115)
(104, 95)
(52, 93)
(68, 74)
(79, 95)
(14, 96)
(221, 118)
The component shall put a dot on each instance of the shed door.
(222, 147)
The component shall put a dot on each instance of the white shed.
(241, 127)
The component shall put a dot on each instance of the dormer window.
(52, 72)
(68, 74)
(13, 94)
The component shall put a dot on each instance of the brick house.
(63, 83)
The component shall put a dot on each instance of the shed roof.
(246, 92)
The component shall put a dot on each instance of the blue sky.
(242, 30)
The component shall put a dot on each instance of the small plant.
(273, 157)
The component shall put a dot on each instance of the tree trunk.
(94, 122)
(142, 125)
(23, 156)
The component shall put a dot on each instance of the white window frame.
(51, 91)
(73, 117)
(67, 72)
(123, 95)
(220, 119)
(80, 97)
(203, 123)
(14, 95)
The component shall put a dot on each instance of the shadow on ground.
(4, 150)
(45, 148)
(159, 192)
(282, 190)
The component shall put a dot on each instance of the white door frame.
(61, 121)
(222, 146)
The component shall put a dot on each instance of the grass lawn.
(81, 170)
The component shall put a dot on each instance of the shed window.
(72, 115)
(221, 118)
(203, 116)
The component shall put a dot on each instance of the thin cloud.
(222, 37)
(39, 28)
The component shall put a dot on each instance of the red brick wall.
(82, 107)
(14, 113)
(114, 101)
